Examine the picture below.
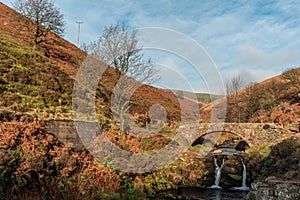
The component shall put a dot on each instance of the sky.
(253, 39)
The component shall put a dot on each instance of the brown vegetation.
(274, 100)
(34, 164)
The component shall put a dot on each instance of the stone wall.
(256, 133)
(275, 189)
(67, 131)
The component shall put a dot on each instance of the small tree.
(44, 14)
(120, 48)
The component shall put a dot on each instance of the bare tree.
(251, 101)
(120, 48)
(44, 14)
(232, 87)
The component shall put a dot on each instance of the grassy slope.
(30, 82)
(273, 100)
(38, 82)
(281, 160)
(203, 98)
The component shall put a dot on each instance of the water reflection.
(205, 194)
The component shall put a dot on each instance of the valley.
(171, 145)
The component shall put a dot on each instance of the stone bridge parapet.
(252, 133)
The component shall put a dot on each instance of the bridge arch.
(200, 139)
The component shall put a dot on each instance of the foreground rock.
(275, 189)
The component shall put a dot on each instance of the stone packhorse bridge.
(252, 133)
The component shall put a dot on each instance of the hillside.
(275, 100)
(41, 82)
(38, 84)
(203, 98)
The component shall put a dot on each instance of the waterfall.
(244, 174)
(244, 185)
(218, 173)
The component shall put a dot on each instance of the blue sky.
(256, 39)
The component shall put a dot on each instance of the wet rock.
(228, 181)
(217, 151)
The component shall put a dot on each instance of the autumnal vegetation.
(275, 100)
(281, 160)
(35, 164)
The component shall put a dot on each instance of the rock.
(293, 130)
(242, 146)
(275, 189)
(266, 126)
(217, 151)
(228, 182)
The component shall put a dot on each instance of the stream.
(214, 192)
(204, 194)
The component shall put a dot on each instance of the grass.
(235, 177)
(200, 97)
(30, 81)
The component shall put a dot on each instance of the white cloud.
(248, 75)
(258, 38)
(256, 58)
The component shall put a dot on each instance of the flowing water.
(215, 192)
(244, 185)
(218, 172)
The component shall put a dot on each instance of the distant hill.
(203, 98)
(274, 100)
(41, 82)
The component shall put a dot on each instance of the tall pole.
(78, 31)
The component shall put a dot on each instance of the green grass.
(200, 97)
(29, 81)
(235, 177)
